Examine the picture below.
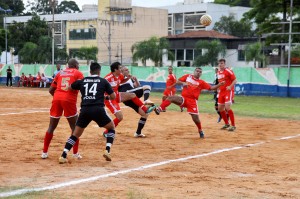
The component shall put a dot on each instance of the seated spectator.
(30, 80)
(44, 80)
(23, 80)
(37, 80)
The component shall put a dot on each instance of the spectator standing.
(8, 76)
(58, 69)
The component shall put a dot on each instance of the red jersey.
(194, 86)
(228, 76)
(63, 81)
(23, 78)
(38, 78)
(171, 80)
(114, 81)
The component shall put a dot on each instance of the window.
(180, 55)
(82, 34)
(241, 55)
(189, 55)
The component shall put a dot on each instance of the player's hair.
(95, 67)
(198, 68)
(222, 60)
(73, 63)
(114, 66)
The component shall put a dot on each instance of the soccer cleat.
(139, 135)
(44, 155)
(226, 126)
(62, 160)
(104, 134)
(149, 102)
(77, 156)
(201, 134)
(150, 109)
(219, 120)
(181, 109)
(232, 128)
(107, 156)
(157, 110)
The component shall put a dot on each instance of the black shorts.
(139, 93)
(93, 113)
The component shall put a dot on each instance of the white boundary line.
(90, 179)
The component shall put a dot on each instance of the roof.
(202, 34)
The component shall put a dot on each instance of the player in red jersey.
(23, 80)
(170, 85)
(64, 101)
(192, 87)
(226, 94)
(115, 78)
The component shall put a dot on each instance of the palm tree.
(153, 49)
(210, 52)
(87, 53)
(253, 52)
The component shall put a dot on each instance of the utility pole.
(289, 52)
(53, 4)
(109, 42)
(5, 28)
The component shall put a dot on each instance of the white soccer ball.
(205, 20)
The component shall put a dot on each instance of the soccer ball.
(205, 20)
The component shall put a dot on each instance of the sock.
(165, 104)
(139, 103)
(146, 94)
(141, 125)
(69, 144)
(47, 139)
(75, 147)
(116, 122)
(231, 116)
(224, 117)
(110, 139)
(199, 126)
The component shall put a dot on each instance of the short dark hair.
(198, 68)
(114, 66)
(222, 60)
(73, 63)
(95, 67)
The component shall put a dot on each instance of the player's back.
(92, 89)
(63, 81)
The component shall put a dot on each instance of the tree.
(45, 7)
(153, 49)
(35, 28)
(28, 54)
(67, 7)
(253, 52)
(229, 25)
(87, 53)
(17, 36)
(17, 6)
(244, 3)
(210, 52)
(44, 49)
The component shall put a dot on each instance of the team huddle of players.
(120, 86)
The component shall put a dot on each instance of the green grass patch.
(252, 106)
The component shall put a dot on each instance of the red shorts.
(113, 105)
(225, 97)
(191, 105)
(169, 92)
(59, 106)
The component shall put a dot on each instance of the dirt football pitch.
(260, 160)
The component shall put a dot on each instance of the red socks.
(75, 147)
(224, 116)
(231, 117)
(165, 104)
(139, 103)
(47, 139)
(116, 122)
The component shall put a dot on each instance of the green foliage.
(229, 25)
(153, 49)
(17, 6)
(87, 53)
(244, 3)
(28, 54)
(17, 36)
(44, 50)
(253, 52)
(211, 51)
(46, 6)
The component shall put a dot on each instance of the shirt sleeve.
(108, 88)
(76, 85)
(183, 78)
(204, 85)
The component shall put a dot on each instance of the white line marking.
(19, 113)
(90, 179)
